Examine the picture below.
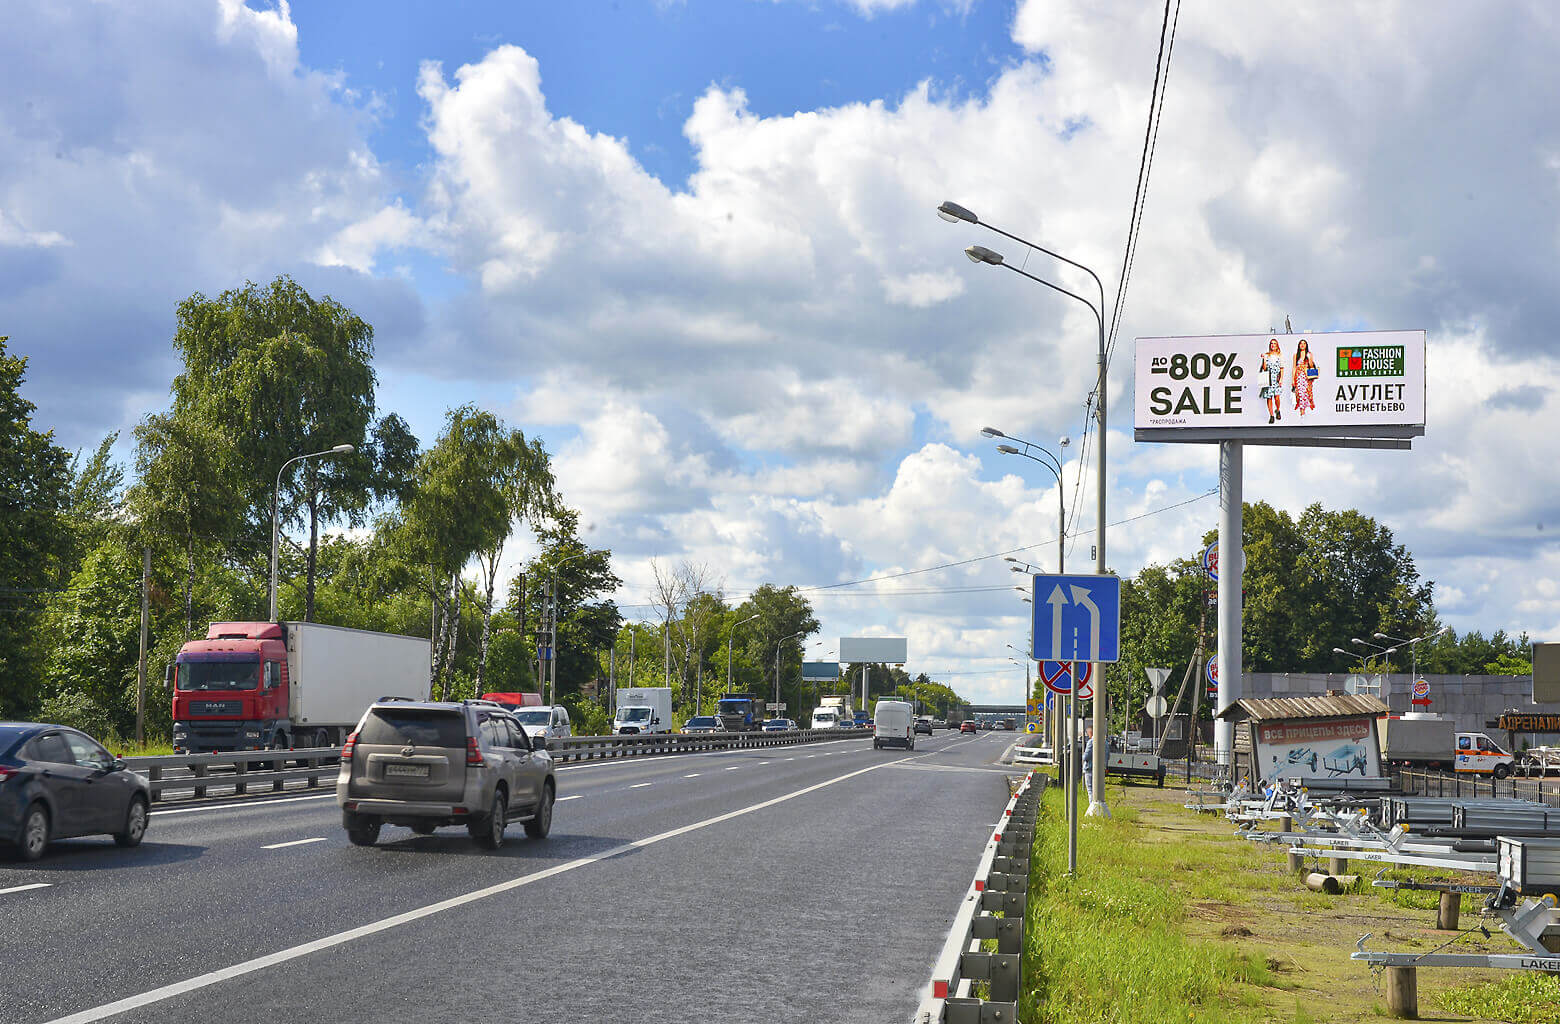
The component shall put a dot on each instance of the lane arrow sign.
(1081, 596)
(1057, 600)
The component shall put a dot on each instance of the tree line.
(393, 536)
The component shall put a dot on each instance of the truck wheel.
(322, 738)
(364, 831)
(488, 830)
(135, 824)
(1502, 770)
(539, 826)
(35, 833)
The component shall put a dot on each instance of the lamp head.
(1340, 650)
(1065, 441)
(343, 449)
(1355, 640)
(1379, 636)
(992, 432)
(981, 254)
(1007, 449)
(953, 213)
(1010, 558)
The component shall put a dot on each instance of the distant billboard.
(887, 650)
(1546, 673)
(820, 671)
(1355, 384)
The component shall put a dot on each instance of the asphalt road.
(810, 883)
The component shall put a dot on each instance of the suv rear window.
(419, 726)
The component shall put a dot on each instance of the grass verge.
(1172, 918)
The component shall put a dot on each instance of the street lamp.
(1386, 652)
(276, 500)
(954, 213)
(552, 682)
(1413, 646)
(1054, 465)
(731, 636)
(779, 645)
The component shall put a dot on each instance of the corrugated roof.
(1342, 706)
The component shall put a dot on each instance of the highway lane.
(845, 884)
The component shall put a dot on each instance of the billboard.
(888, 650)
(820, 671)
(1546, 673)
(1317, 752)
(1355, 384)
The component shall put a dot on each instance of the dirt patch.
(1237, 931)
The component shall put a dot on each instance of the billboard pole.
(1231, 567)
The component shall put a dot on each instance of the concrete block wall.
(1474, 702)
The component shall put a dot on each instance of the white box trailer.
(338, 672)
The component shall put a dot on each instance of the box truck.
(643, 709)
(1431, 741)
(275, 685)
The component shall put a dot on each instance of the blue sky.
(778, 366)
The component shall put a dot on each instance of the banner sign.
(1530, 723)
(1316, 751)
(1349, 384)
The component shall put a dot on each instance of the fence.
(1454, 785)
(259, 772)
(1000, 887)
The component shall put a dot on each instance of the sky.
(692, 247)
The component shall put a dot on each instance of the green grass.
(130, 748)
(1107, 946)
(1522, 998)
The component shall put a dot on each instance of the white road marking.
(763, 762)
(732, 768)
(24, 888)
(561, 799)
(641, 785)
(254, 805)
(261, 963)
(295, 842)
(691, 775)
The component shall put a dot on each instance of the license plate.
(411, 771)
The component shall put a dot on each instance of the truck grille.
(216, 707)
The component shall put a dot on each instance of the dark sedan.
(57, 783)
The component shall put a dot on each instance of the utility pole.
(140, 671)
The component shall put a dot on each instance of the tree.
(288, 375)
(785, 621)
(34, 538)
(586, 625)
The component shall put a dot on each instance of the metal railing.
(1000, 887)
(263, 772)
(1454, 784)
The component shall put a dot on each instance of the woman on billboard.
(1273, 366)
(1303, 380)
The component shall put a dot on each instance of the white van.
(826, 718)
(893, 722)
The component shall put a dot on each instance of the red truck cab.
(230, 689)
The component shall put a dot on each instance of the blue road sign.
(1077, 618)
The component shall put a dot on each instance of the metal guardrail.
(1000, 886)
(260, 772)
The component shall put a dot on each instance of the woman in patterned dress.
(1273, 366)
(1304, 374)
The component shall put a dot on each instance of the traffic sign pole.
(1073, 763)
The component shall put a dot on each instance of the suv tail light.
(7, 770)
(346, 748)
(473, 755)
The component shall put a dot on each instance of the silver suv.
(425, 764)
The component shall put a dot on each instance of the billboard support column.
(1231, 568)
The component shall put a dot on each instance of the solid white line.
(641, 785)
(257, 805)
(200, 981)
(24, 888)
(295, 842)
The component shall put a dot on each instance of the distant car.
(939, 723)
(923, 725)
(58, 783)
(552, 723)
(968, 726)
(863, 720)
(701, 723)
(779, 725)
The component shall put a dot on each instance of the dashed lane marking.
(25, 888)
(295, 842)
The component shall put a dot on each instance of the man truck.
(741, 712)
(643, 709)
(277, 685)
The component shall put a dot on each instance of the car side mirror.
(539, 742)
(118, 765)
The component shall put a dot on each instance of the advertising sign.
(1210, 561)
(1354, 384)
(1546, 673)
(820, 671)
(1318, 751)
(1514, 721)
(885, 650)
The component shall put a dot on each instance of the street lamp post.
(1385, 652)
(1052, 463)
(729, 637)
(1413, 647)
(778, 646)
(954, 213)
(276, 500)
